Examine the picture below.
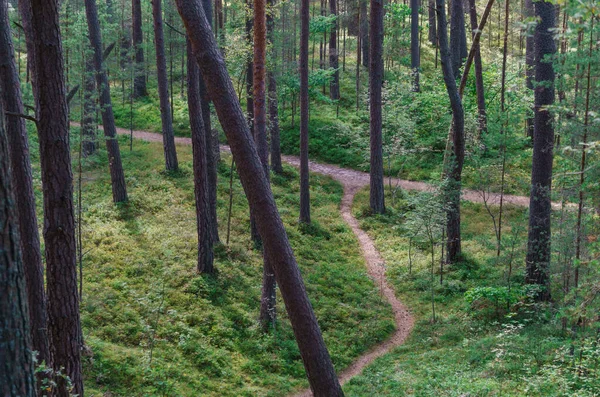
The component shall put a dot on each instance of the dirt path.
(353, 181)
(353, 178)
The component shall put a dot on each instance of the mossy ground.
(156, 327)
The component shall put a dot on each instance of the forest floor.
(353, 181)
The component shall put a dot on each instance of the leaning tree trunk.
(200, 153)
(64, 327)
(317, 362)
(334, 86)
(139, 82)
(273, 106)
(458, 36)
(415, 56)
(117, 175)
(377, 199)
(163, 89)
(540, 205)
(11, 99)
(16, 361)
(453, 171)
(482, 125)
(268, 294)
(304, 171)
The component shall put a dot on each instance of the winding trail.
(353, 181)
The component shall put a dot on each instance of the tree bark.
(272, 103)
(458, 38)
(415, 55)
(482, 125)
(317, 362)
(334, 85)
(304, 170)
(268, 294)
(88, 122)
(364, 32)
(16, 361)
(64, 328)
(22, 182)
(200, 155)
(212, 144)
(540, 205)
(432, 26)
(529, 63)
(454, 166)
(163, 89)
(139, 83)
(377, 197)
(117, 176)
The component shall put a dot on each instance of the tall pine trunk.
(163, 89)
(377, 199)
(117, 176)
(482, 119)
(529, 63)
(364, 32)
(453, 167)
(272, 97)
(17, 363)
(304, 171)
(334, 85)
(458, 36)
(139, 82)
(540, 205)
(317, 362)
(200, 153)
(22, 182)
(432, 26)
(415, 55)
(64, 327)
(268, 294)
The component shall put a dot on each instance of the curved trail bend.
(353, 181)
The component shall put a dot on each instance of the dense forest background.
(454, 148)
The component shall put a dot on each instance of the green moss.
(157, 327)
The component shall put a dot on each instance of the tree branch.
(24, 116)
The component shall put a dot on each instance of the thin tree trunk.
(18, 144)
(317, 362)
(117, 175)
(88, 122)
(212, 143)
(334, 86)
(453, 168)
(586, 121)
(415, 53)
(364, 32)
(139, 84)
(17, 364)
(377, 199)
(267, 306)
(432, 27)
(529, 63)
(304, 177)
(272, 100)
(458, 39)
(163, 89)
(64, 327)
(200, 153)
(482, 120)
(540, 205)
